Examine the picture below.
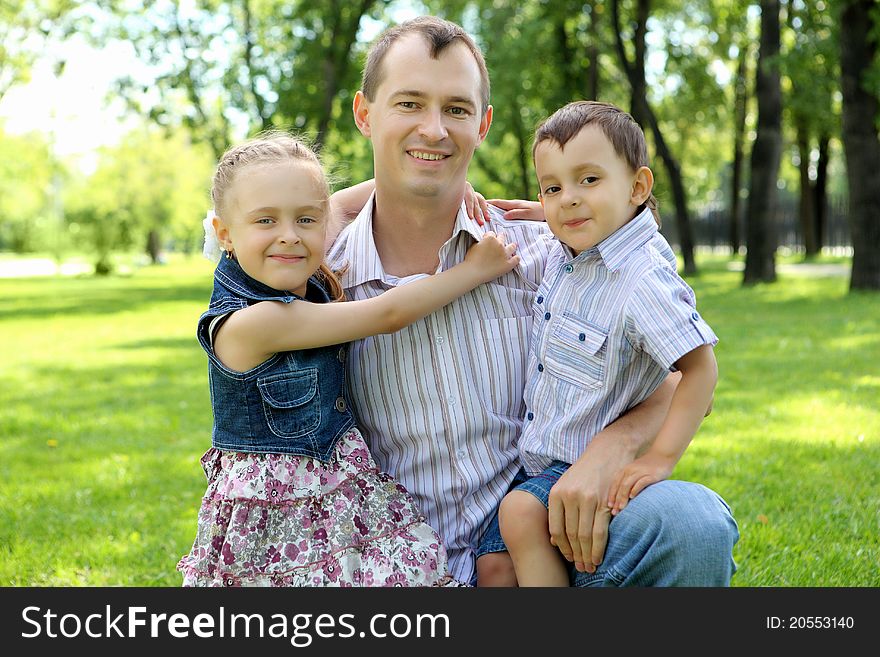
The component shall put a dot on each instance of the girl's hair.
(268, 147)
(619, 127)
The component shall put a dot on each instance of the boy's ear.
(361, 110)
(642, 186)
(222, 233)
(541, 199)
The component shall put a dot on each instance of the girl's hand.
(519, 209)
(475, 205)
(492, 256)
(634, 478)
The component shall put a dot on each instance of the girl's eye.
(306, 220)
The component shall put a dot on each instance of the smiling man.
(441, 402)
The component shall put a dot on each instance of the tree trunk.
(861, 142)
(766, 153)
(807, 212)
(592, 81)
(154, 246)
(641, 108)
(741, 99)
(820, 202)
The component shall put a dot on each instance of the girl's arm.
(699, 373)
(253, 334)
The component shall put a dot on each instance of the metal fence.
(710, 226)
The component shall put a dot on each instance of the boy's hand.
(634, 478)
(475, 205)
(492, 256)
(519, 209)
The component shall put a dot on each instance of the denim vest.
(293, 403)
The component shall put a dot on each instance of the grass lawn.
(105, 413)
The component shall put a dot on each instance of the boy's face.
(426, 119)
(588, 191)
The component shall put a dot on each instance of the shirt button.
(540, 367)
(695, 316)
(568, 269)
(530, 416)
(341, 355)
(460, 453)
(546, 315)
(540, 299)
(582, 337)
(440, 339)
(451, 400)
(340, 404)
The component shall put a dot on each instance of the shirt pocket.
(291, 402)
(576, 352)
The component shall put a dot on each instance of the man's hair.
(619, 127)
(439, 34)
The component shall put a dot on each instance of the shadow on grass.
(71, 298)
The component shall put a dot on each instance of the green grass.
(105, 412)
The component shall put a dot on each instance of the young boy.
(611, 318)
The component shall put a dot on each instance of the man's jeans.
(673, 533)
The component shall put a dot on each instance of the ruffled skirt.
(287, 520)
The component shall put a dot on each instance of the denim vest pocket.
(576, 352)
(291, 402)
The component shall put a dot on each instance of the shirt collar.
(361, 256)
(617, 247)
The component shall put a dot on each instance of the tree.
(860, 80)
(643, 113)
(148, 190)
(766, 154)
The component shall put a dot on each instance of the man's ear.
(485, 124)
(361, 110)
(642, 186)
(222, 232)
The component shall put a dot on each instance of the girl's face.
(275, 222)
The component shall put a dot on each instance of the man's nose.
(432, 127)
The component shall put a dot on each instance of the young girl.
(294, 498)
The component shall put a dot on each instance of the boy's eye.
(265, 220)
(590, 179)
(552, 189)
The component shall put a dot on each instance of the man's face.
(426, 119)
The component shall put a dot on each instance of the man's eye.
(407, 104)
(458, 111)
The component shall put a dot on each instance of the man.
(440, 403)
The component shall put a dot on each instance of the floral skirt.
(286, 520)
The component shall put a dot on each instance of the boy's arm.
(578, 511)
(699, 373)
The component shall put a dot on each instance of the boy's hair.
(619, 127)
(439, 34)
(268, 147)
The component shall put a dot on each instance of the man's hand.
(578, 511)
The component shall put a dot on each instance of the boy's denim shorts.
(539, 486)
